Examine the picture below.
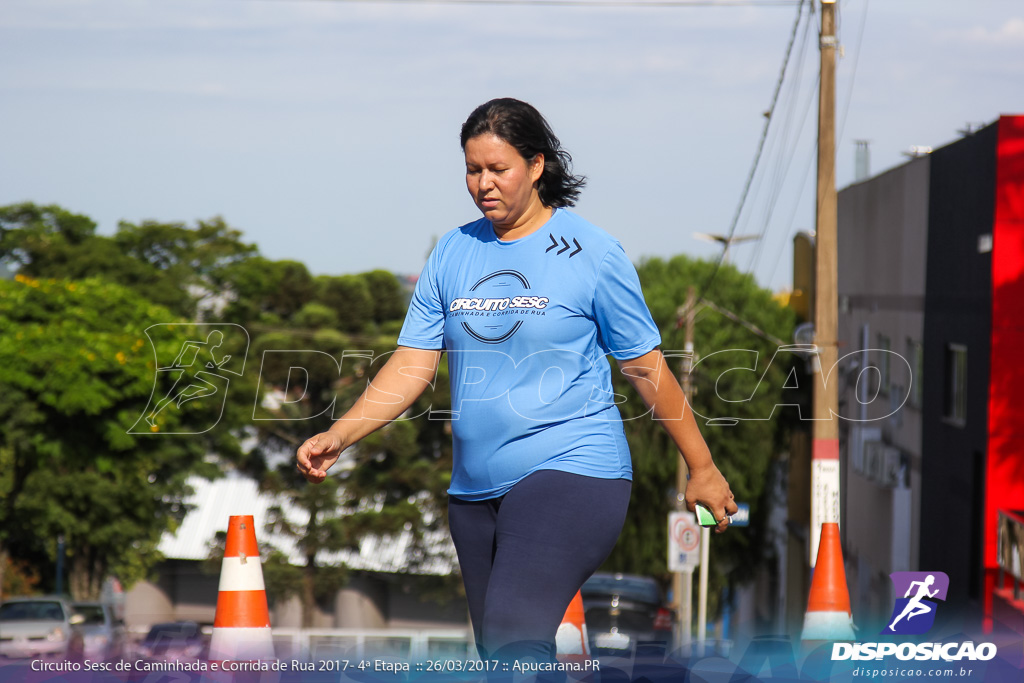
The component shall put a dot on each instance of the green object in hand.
(704, 515)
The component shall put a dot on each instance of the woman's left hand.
(707, 486)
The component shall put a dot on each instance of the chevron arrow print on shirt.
(565, 246)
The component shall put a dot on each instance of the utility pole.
(825, 450)
(682, 582)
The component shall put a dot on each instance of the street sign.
(742, 516)
(824, 493)
(683, 542)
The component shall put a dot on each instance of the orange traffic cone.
(241, 626)
(828, 614)
(571, 637)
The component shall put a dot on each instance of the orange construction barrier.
(571, 638)
(241, 626)
(828, 614)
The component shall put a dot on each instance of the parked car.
(103, 633)
(39, 627)
(178, 640)
(622, 610)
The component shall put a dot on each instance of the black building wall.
(957, 311)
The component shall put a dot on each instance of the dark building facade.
(957, 333)
(932, 268)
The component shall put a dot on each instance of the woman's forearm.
(398, 384)
(660, 391)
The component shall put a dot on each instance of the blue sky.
(328, 131)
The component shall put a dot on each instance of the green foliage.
(386, 294)
(28, 231)
(77, 373)
(50, 242)
(185, 254)
(316, 316)
(167, 263)
(293, 287)
(281, 578)
(349, 297)
(743, 452)
(266, 290)
(19, 578)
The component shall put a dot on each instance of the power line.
(777, 145)
(760, 146)
(853, 72)
(705, 304)
(647, 4)
(784, 154)
(842, 128)
(740, 321)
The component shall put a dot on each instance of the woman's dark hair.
(522, 126)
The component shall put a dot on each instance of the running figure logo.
(914, 613)
(199, 371)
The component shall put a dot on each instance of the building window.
(915, 358)
(885, 367)
(956, 384)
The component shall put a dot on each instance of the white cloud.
(1011, 32)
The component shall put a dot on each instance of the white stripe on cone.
(241, 644)
(569, 640)
(236, 575)
(828, 626)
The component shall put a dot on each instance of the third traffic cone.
(241, 626)
(828, 614)
(571, 638)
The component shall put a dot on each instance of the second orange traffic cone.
(571, 638)
(828, 614)
(241, 626)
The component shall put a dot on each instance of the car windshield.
(92, 614)
(162, 632)
(31, 610)
(628, 587)
(601, 619)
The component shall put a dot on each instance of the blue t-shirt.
(527, 325)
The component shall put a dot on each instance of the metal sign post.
(684, 553)
(702, 596)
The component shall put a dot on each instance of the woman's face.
(501, 182)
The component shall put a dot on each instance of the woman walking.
(528, 302)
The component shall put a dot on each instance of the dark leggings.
(524, 556)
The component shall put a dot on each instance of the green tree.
(195, 261)
(397, 477)
(349, 297)
(386, 293)
(743, 452)
(77, 374)
(266, 291)
(316, 316)
(51, 242)
(179, 267)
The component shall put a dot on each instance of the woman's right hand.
(707, 485)
(317, 454)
